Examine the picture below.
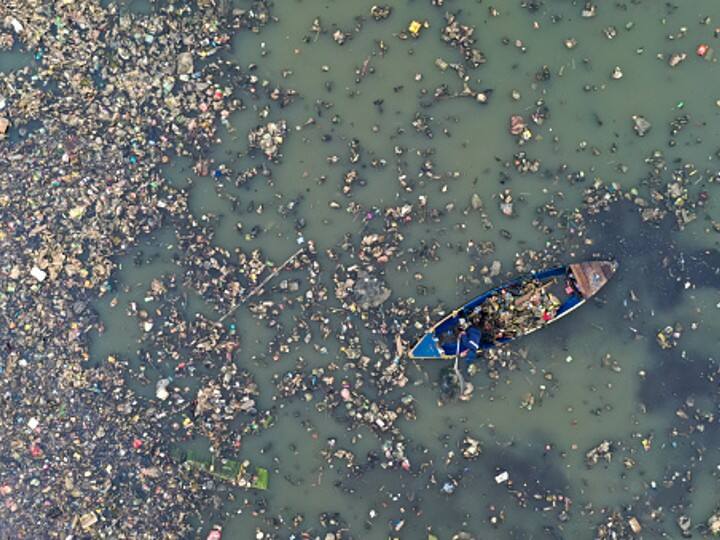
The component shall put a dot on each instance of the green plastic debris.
(260, 481)
(230, 470)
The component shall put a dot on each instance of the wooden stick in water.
(262, 284)
(459, 376)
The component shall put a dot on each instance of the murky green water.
(578, 401)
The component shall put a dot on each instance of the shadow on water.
(653, 251)
(674, 379)
(531, 470)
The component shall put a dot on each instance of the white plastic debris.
(17, 25)
(502, 477)
(161, 391)
(33, 423)
(38, 273)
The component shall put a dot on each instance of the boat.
(548, 296)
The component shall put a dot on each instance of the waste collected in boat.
(512, 310)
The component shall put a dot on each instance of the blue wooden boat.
(570, 286)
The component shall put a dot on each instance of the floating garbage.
(416, 26)
(161, 391)
(232, 471)
(641, 125)
(38, 273)
(502, 477)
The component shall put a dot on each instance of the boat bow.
(592, 276)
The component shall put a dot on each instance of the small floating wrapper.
(88, 520)
(502, 477)
(38, 273)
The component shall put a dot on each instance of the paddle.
(457, 370)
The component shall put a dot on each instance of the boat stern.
(426, 348)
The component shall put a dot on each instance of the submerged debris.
(640, 125)
(601, 451)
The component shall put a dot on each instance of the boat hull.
(587, 279)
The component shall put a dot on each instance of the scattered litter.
(502, 477)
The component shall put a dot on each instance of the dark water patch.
(652, 251)
(618, 231)
(674, 492)
(16, 134)
(702, 268)
(16, 58)
(530, 470)
(139, 7)
(674, 379)
(50, 86)
(648, 249)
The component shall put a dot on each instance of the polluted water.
(224, 224)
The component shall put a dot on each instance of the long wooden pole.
(459, 376)
(262, 284)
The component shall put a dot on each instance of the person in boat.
(571, 287)
(457, 336)
(470, 342)
(484, 330)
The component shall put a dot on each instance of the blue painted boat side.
(429, 346)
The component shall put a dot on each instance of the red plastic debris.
(702, 49)
(517, 124)
(35, 450)
(137, 443)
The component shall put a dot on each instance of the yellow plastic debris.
(88, 520)
(415, 27)
(635, 525)
(77, 212)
